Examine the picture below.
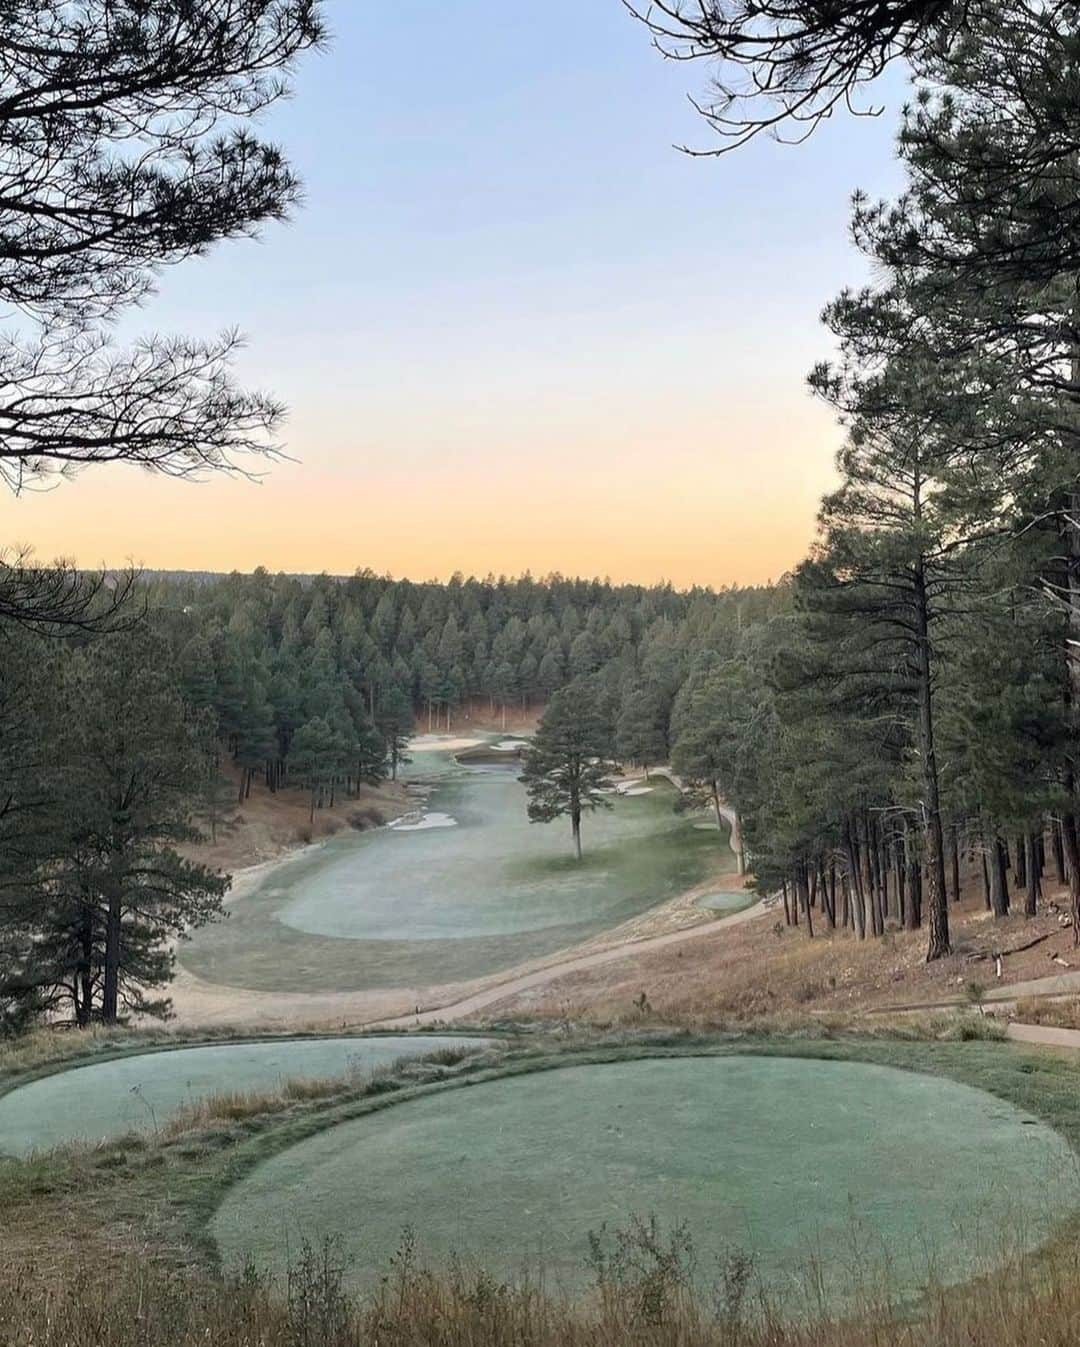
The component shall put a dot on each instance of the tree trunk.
(858, 904)
(84, 980)
(1071, 843)
(999, 882)
(1020, 868)
(955, 864)
(1034, 883)
(936, 899)
(1058, 848)
(804, 897)
(913, 881)
(110, 994)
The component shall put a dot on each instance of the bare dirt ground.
(269, 825)
(478, 715)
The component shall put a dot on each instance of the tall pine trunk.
(858, 903)
(936, 899)
(1034, 883)
(999, 877)
(114, 911)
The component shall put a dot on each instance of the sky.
(515, 327)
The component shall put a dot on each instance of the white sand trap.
(638, 790)
(509, 745)
(432, 743)
(411, 823)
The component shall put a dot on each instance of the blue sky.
(509, 299)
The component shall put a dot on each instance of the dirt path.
(1046, 1035)
(1056, 985)
(490, 996)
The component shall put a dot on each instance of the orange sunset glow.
(692, 503)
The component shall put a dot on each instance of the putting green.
(784, 1158)
(414, 907)
(139, 1092)
(727, 902)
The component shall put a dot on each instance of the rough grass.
(236, 1105)
(1063, 1014)
(630, 1023)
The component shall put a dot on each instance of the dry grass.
(270, 823)
(1061, 1014)
(761, 969)
(645, 1302)
(235, 1105)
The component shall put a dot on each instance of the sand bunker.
(432, 743)
(412, 823)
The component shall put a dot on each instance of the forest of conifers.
(801, 705)
(909, 694)
(114, 743)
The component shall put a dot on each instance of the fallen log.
(1004, 953)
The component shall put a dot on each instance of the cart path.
(1046, 1035)
(491, 995)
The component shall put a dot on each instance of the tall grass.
(642, 1296)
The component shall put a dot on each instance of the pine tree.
(641, 729)
(317, 757)
(567, 765)
(135, 768)
(394, 722)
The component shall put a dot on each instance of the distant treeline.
(276, 658)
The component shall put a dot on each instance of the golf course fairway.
(469, 889)
(787, 1159)
(141, 1091)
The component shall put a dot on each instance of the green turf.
(140, 1092)
(862, 1166)
(727, 902)
(401, 908)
